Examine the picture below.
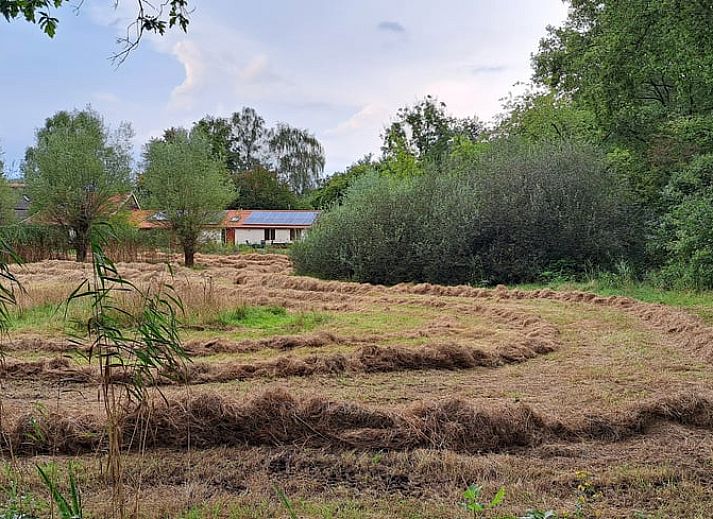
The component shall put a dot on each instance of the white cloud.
(323, 68)
(369, 116)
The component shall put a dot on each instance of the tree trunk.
(81, 244)
(188, 253)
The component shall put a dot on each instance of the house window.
(295, 234)
(269, 234)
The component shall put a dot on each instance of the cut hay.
(365, 359)
(275, 418)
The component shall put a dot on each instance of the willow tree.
(75, 171)
(299, 157)
(187, 185)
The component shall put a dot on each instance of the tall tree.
(631, 57)
(187, 184)
(259, 188)
(74, 171)
(243, 140)
(546, 117)
(246, 143)
(298, 156)
(426, 131)
(334, 189)
(643, 68)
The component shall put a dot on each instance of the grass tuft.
(269, 318)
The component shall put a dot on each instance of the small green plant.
(472, 500)
(587, 495)
(539, 514)
(14, 503)
(286, 502)
(68, 508)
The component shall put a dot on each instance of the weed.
(68, 508)
(16, 504)
(472, 500)
(587, 494)
(539, 514)
(286, 502)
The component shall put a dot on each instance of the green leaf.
(286, 502)
(499, 496)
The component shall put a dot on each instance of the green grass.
(700, 303)
(274, 319)
(45, 317)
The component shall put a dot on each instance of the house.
(236, 227)
(152, 219)
(267, 226)
(116, 203)
(22, 201)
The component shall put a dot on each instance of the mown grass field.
(363, 401)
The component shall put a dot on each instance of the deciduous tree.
(259, 188)
(246, 143)
(298, 157)
(187, 185)
(75, 170)
(426, 131)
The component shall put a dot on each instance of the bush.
(37, 242)
(551, 207)
(686, 234)
(505, 216)
(390, 230)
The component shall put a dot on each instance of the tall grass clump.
(506, 216)
(136, 342)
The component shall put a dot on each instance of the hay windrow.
(275, 418)
(365, 359)
(362, 389)
(694, 334)
(56, 369)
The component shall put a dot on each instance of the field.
(369, 401)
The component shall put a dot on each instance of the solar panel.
(281, 218)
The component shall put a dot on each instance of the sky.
(340, 69)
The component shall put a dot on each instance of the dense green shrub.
(686, 233)
(551, 207)
(505, 216)
(390, 230)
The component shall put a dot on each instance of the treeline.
(606, 162)
(79, 172)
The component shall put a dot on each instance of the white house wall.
(256, 236)
(282, 236)
(251, 236)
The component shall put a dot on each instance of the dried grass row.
(277, 418)
(366, 359)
